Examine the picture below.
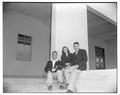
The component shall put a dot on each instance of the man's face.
(76, 47)
(54, 56)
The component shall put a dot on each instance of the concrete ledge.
(88, 81)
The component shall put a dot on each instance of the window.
(23, 47)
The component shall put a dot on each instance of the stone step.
(88, 81)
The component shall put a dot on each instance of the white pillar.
(69, 24)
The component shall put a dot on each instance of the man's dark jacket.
(49, 66)
(80, 59)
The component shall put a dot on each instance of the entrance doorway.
(100, 58)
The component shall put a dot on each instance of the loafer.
(66, 85)
(49, 87)
(61, 87)
(69, 91)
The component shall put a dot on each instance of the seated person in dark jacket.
(54, 67)
(66, 59)
(79, 60)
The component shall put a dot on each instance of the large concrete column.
(69, 24)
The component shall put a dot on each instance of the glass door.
(100, 58)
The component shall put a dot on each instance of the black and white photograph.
(60, 47)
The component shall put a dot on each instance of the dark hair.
(76, 43)
(63, 53)
(54, 52)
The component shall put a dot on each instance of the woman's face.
(65, 50)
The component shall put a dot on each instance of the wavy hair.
(63, 53)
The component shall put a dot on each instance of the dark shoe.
(49, 87)
(58, 82)
(61, 87)
(69, 91)
(66, 86)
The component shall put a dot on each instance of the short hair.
(54, 52)
(76, 43)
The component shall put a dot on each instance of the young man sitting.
(52, 68)
(79, 60)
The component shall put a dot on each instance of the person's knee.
(59, 71)
(66, 70)
(75, 73)
(49, 72)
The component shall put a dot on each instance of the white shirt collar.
(53, 62)
(76, 52)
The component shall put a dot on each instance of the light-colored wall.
(15, 23)
(110, 53)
